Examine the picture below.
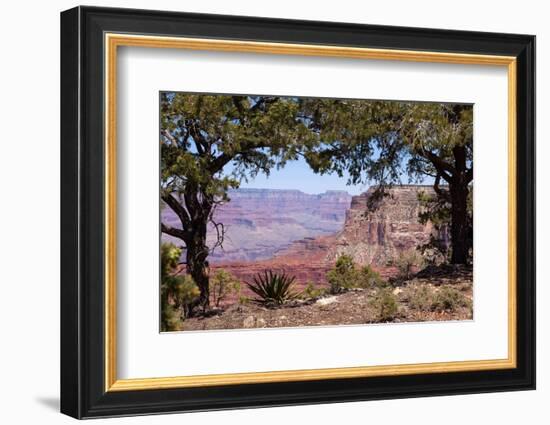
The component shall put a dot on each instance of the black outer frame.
(82, 212)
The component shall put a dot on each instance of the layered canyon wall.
(372, 233)
(261, 222)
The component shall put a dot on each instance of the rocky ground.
(436, 294)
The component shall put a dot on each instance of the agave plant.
(272, 288)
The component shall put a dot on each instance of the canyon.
(374, 232)
(261, 222)
(303, 235)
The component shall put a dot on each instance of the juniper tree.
(210, 144)
(381, 141)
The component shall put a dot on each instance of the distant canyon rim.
(303, 234)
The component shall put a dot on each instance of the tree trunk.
(194, 218)
(197, 266)
(460, 227)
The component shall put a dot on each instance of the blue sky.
(298, 175)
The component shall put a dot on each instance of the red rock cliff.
(371, 235)
(380, 232)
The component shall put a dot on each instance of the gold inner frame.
(113, 41)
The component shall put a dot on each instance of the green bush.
(449, 299)
(272, 289)
(345, 276)
(243, 300)
(186, 292)
(385, 305)
(424, 298)
(170, 318)
(418, 297)
(312, 291)
(177, 292)
(223, 284)
(368, 278)
(406, 262)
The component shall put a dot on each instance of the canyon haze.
(303, 234)
(259, 223)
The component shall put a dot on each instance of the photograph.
(283, 210)
(289, 211)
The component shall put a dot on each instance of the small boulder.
(326, 301)
(249, 322)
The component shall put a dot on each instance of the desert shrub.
(385, 305)
(345, 276)
(178, 292)
(449, 299)
(367, 278)
(223, 284)
(312, 291)
(169, 258)
(243, 300)
(418, 297)
(406, 262)
(170, 318)
(272, 288)
(186, 293)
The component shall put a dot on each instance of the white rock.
(249, 322)
(326, 301)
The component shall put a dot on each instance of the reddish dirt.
(354, 307)
(304, 268)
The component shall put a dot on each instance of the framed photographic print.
(261, 212)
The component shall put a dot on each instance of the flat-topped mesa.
(396, 204)
(377, 230)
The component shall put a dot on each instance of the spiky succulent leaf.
(272, 288)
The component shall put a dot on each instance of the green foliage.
(436, 209)
(169, 258)
(201, 134)
(418, 297)
(210, 144)
(449, 299)
(380, 141)
(406, 263)
(177, 292)
(272, 289)
(371, 139)
(243, 299)
(367, 278)
(426, 298)
(170, 318)
(385, 304)
(186, 292)
(345, 276)
(223, 284)
(312, 291)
